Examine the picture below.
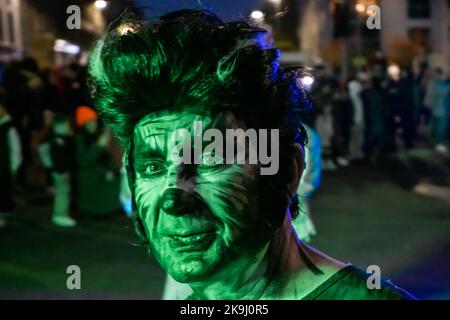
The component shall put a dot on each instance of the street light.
(101, 4)
(307, 80)
(66, 47)
(360, 8)
(257, 15)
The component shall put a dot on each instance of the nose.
(177, 202)
(181, 176)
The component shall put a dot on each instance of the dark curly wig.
(192, 58)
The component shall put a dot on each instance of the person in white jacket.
(355, 89)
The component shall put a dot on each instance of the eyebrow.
(152, 135)
(151, 131)
(145, 140)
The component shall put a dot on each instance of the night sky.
(226, 9)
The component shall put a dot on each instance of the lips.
(192, 241)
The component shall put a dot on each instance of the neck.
(264, 275)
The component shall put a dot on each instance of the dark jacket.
(62, 150)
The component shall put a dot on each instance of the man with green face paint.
(222, 228)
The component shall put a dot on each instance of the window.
(419, 9)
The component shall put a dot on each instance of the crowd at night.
(381, 109)
(54, 128)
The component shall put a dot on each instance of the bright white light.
(60, 42)
(307, 80)
(101, 4)
(359, 7)
(394, 71)
(276, 1)
(66, 47)
(124, 29)
(257, 15)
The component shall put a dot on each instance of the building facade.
(424, 23)
(329, 25)
(11, 44)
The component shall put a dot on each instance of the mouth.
(191, 242)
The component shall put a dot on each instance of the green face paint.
(197, 218)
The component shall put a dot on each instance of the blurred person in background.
(60, 160)
(399, 97)
(50, 104)
(31, 71)
(324, 125)
(410, 110)
(438, 100)
(97, 177)
(50, 96)
(22, 84)
(394, 100)
(374, 114)
(324, 120)
(342, 124)
(418, 119)
(72, 86)
(378, 65)
(10, 161)
(355, 89)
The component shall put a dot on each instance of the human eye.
(153, 168)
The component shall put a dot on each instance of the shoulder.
(350, 283)
(344, 281)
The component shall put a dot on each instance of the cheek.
(147, 195)
(231, 196)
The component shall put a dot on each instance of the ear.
(297, 167)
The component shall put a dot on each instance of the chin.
(191, 270)
(192, 267)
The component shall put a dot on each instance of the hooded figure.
(97, 178)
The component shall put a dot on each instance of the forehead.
(166, 122)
